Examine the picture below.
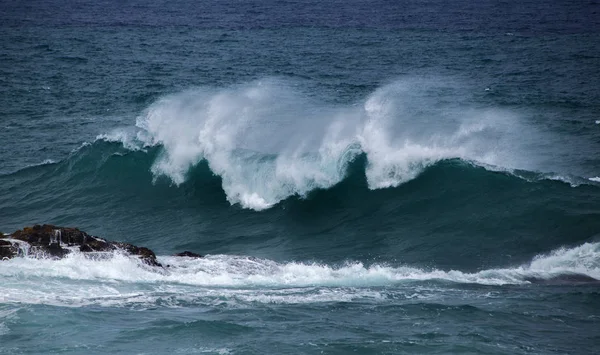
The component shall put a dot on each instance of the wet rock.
(57, 242)
(7, 250)
(189, 254)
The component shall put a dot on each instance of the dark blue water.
(365, 177)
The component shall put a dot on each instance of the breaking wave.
(268, 141)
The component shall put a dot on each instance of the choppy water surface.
(365, 177)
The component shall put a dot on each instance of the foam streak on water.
(79, 280)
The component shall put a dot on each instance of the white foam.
(80, 147)
(572, 181)
(121, 280)
(595, 179)
(127, 137)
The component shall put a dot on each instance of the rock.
(57, 242)
(189, 254)
(7, 250)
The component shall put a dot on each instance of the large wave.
(267, 140)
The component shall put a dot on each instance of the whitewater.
(121, 280)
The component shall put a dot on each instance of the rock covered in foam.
(56, 242)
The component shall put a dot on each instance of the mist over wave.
(268, 140)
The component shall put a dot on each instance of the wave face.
(267, 141)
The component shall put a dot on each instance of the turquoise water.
(364, 177)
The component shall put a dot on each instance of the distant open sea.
(364, 177)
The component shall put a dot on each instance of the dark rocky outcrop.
(189, 254)
(6, 250)
(56, 242)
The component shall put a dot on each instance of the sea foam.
(78, 280)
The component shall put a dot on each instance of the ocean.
(368, 177)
